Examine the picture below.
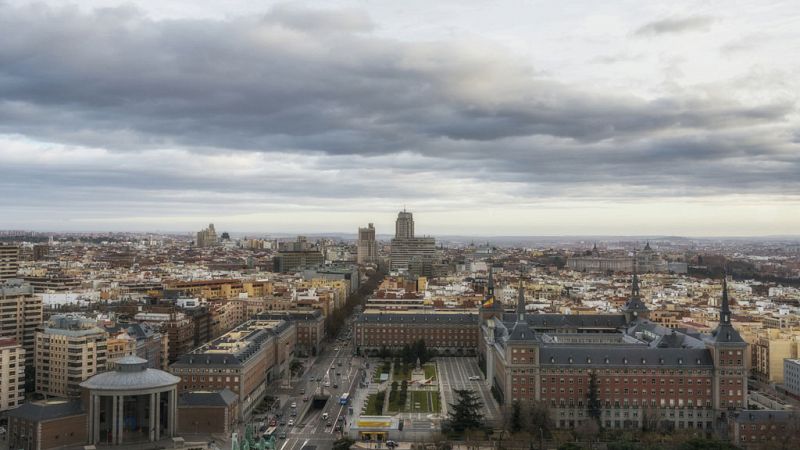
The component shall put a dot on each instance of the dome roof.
(131, 373)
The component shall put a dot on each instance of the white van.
(324, 416)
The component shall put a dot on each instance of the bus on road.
(344, 398)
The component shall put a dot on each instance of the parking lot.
(455, 373)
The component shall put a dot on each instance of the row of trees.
(398, 397)
(336, 320)
(409, 353)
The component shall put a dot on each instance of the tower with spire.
(635, 308)
(728, 352)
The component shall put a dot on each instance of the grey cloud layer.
(676, 25)
(297, 81)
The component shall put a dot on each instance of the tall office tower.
(20, 314)
(69, 349)
(207, 237)
(9, 261)
(414, 254)
(404, 226)
(12, 374)
(367, 247)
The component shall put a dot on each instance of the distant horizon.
(387, 236)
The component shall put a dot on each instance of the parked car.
(282, 435)
(294, 404)
(305, 398)
(291, 422)
(475, 377)
(335, 386)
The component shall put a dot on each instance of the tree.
(516, 417)
(295, 367)
(538, 419)
(465, 413)
(343, 443)
(593, 403)
(384, 353)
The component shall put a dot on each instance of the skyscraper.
(207, 237)
(404, 226)
(407, 248)
(367, 248)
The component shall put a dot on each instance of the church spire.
(490, 283)
(521, 302)
(635, 281)
(725, 307)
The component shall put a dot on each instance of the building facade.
(9, 261)
(366, 246)
(408, 252)
(207, 237)
(643, 374)
(12, 374)
(69, 349)
(21, 313)
(244, 360)
(446, 332)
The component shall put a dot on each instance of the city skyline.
(508, 119)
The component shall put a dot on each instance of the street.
(335, 366)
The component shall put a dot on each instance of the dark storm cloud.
(675, 25)
(321, 83)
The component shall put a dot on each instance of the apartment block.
(69, 349)
(9, 261)
(20, 314)
(12, 374)
(244, 360)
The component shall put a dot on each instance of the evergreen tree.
(593, 398)
(465, 413)
(344, 443)
(516, 417)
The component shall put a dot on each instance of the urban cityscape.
(453, 225)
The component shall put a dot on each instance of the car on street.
(302, 391)
(475, 377)
(282, 435)
(294, 404)
(324, 416)
(282, 422)
(338, 427)
(293, 413)
(335, 386)
(328, 424)
(291, 422)
(336, 349)
(305, 398)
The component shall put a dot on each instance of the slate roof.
(624, 356)
(131, 374)
(762, 415)
(221, 398)
(42, 411)
(433, 318)
(539, 321)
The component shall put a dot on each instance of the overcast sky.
(506, 117)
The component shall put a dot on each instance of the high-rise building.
(207, 237)
(367, 248)
(9, 261)
(12, 374)
(69, 349)
(404, 225)
(411, 253)
(20, 314)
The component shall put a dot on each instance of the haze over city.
(495, 118)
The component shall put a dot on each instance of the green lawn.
(399, 374)
(385, 368)
(428, 401)
(375, 404)
(430, 371)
